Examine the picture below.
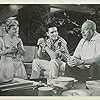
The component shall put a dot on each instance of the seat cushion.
(31, 53)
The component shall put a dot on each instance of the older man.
(49, 53)
(86, 57)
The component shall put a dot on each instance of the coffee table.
(18, 87)
(21, 87)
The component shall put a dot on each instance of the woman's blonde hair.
(10, 22)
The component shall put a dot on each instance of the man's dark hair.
(49, 26)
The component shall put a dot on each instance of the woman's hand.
(20, 49)
(11, 50)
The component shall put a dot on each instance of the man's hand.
(79, 62)
(74, 62)
(41, 42)
(71, 62)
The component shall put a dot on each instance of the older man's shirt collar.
(95, 36)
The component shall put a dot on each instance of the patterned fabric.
(11, 64)
(14, 42)
(59, 46)
(54, 65)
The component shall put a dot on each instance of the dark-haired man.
(49, 54)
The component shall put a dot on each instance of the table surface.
(20, 87)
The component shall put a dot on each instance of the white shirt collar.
(94, 37)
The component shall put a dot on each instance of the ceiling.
(71, 7)
(84, 8)
(2, 6)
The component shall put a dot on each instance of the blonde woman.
(6, 67)
(14, 52)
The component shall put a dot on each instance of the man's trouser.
(83, 74)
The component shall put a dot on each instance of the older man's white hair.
(91, 24)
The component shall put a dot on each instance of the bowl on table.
(63, 82)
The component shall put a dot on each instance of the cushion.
(31, 53)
